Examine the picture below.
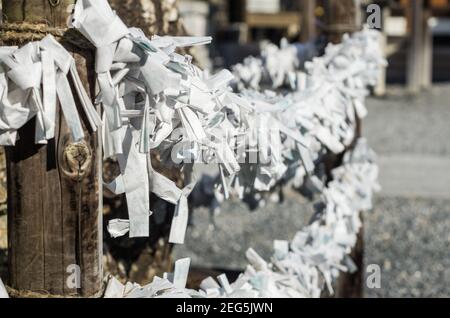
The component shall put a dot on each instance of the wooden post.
(380, 88)
(308, 30)
(427, 72)
(54, 209)
(416, 46)
(350, 285)
(343, 16)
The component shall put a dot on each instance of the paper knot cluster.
(33, 79)
(155, 99)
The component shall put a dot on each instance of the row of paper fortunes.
(299, 268)
(155, 99)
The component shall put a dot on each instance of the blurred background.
(408, 232)
(239, 26)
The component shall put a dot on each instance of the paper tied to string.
(33, 79)
(155, 99)
(172, 285)
(317, 119)
(326, 115)
(277, 67)
(298, 268)
(147, 91)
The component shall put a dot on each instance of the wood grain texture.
(54, 221)
(348, 285)
(37, 11)
(351, 285)
(152, 16)
(308, 30)
(343, 16)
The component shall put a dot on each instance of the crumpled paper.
(299, 268)
(155, 99)
(276, 67)
(33, 79)
(3, 292)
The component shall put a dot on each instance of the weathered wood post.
(420, 50)
(380, 88)
(54, 193)
(415, 14)
(427, 64)
(308, 30)
(344, 16)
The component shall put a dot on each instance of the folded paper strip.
(33, 79)
(155, 99)
(299, 268)
(276, 67)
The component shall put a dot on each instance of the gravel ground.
(410, 240)
(400, 123)
(407, 236)
(237, 229)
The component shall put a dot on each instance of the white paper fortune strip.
(156, 100)
(32, 80)
(325, 111)
(316, 255)
(3, 293)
